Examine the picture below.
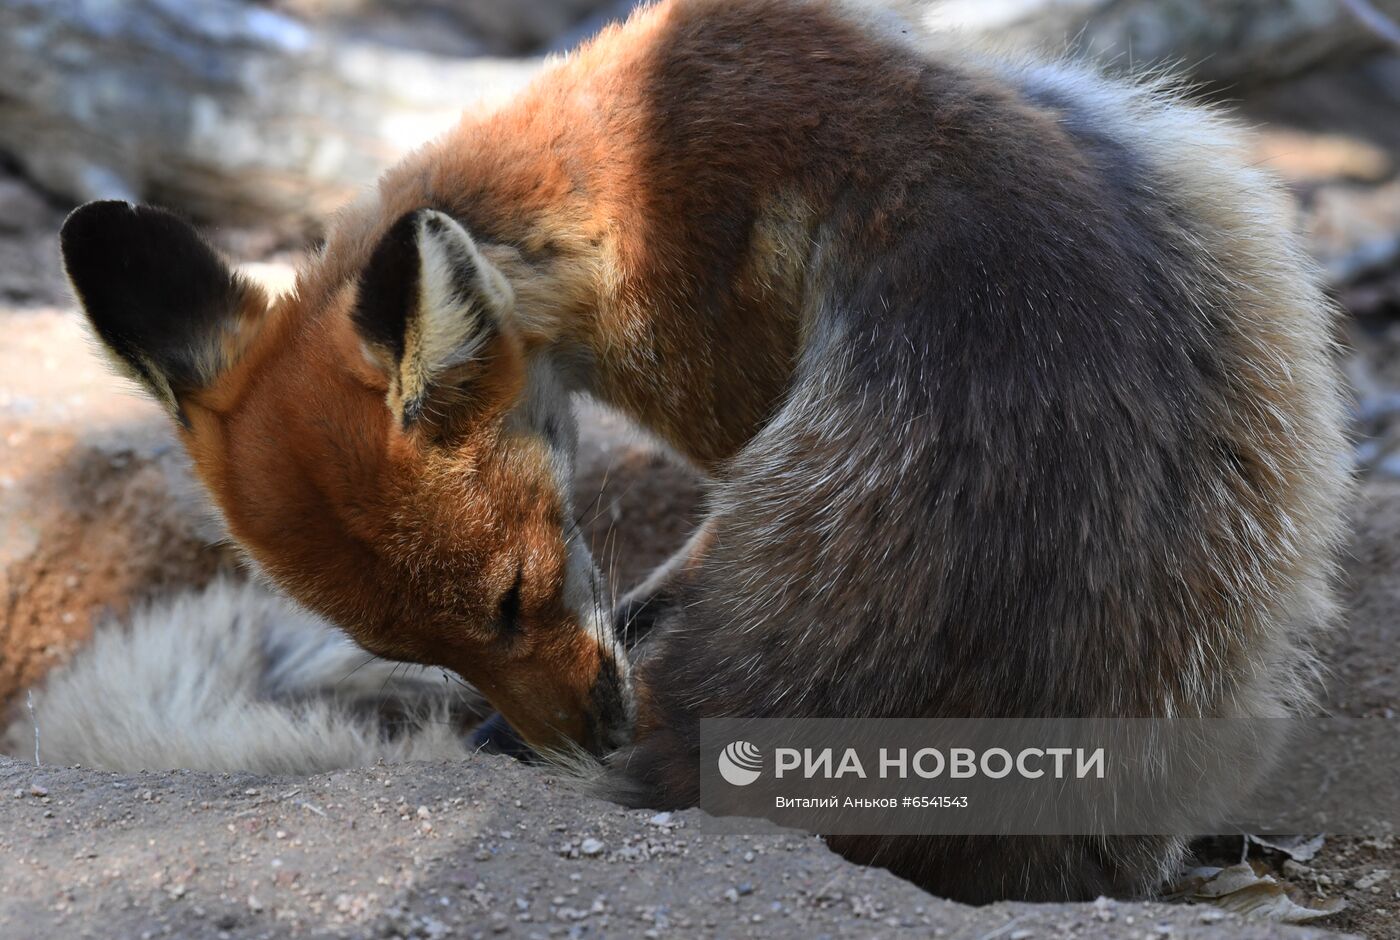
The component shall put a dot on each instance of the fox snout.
(607, 727)
(559, 708)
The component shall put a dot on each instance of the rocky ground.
(481, 848)
(97, 511)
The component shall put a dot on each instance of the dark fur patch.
(389, 287)
(509, 608)
(154, 290)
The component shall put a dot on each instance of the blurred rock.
(610, 12)
(1348, 200)
(1373, 369)
(226, 110)
(21, 208)
(1356, 100)
(1238, 42)
(494, 27)
(240, 112)
(1334, 137)
(1355, 231)
(1303, 158)
(31, 273)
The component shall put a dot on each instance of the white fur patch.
(235, 678)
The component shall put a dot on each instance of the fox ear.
(166, 307)
(430, 308)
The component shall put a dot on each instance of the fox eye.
(509, 611)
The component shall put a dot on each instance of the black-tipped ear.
(429, 306)
(158, 296)
(389, 289)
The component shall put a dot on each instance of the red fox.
(1015, 393)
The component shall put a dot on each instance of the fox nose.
(496, 736)
(606, 725)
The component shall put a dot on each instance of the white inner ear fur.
(462, 300)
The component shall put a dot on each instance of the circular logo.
(740, 763)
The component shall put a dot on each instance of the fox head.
(389, 453)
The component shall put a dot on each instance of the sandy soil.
(486, 847)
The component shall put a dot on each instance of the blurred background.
(258, 117)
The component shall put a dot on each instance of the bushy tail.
(235, 678)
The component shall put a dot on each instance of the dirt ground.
(480, 848)
(97, 510)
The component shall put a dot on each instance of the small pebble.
(591, 847)
(1367, 882)
(1103, 909)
